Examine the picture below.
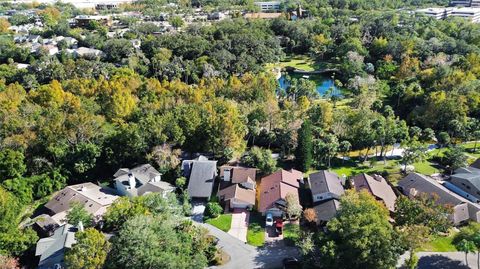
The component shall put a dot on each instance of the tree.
(12, 164)
(89, 251)
(423, 210)
(476, 137)
(310, 215)
(466, 246)
(176, 21)
(261, 159)
(77, 214)
(413, 237)
(165, 157)
(304, 150)
(294, 209)
(344, 147)
(4, 25)
(157, 242)
(454, 158)
(414, 152)
(213, 210)
(360, 236)
(7, 262)
(443, 139)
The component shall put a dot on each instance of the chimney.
(156, 178)
(131, 180)
(226, 174)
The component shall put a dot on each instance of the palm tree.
(476, 241)
(467, 247)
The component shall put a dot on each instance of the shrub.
(213, 210)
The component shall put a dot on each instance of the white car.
(269, 220)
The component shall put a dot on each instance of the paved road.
(443, 260)
(244, 256)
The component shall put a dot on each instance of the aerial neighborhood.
(239, 134)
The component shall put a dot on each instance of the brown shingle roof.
(276, 186)
(240, 174)
(237, 192)
(378, 187)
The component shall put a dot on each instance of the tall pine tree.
(304, 151)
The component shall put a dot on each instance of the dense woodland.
(407, 79)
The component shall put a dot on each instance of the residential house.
(463, 210)
(378, 187)
(237, 187)
(83, 52)
(326, 189)
(275, 187)
(325, 185)
(52, 249)
(468, 180)
(201, 174)
(95, 199)
(86, 20)
(239, 175)
(140, 180)
(236, 196)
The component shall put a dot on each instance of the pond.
(323, 82)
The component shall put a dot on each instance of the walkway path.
(239, 225)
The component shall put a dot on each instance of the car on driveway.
(269, 220)
(279, 226)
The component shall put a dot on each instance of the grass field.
(256, 230)
(222, 222)
(291, 233)
(302, 62)
(439, 244)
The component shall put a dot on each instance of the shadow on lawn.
(438, 261)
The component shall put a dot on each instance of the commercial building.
(469, 13)
(268, 6)
(437, 13)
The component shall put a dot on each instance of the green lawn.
(291, 232)
(300, 62)
(439, 244)
(222, 222)
(256, 230)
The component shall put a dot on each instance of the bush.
(213, 210)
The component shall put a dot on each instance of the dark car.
(291, 263)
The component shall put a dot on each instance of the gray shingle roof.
(415, 183)
(325, 181)
(327, 210)
(63, 237)
(201, 179)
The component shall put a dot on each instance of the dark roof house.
(415, 184)
(95, 199)
(52, 249)
(201, 174)
(140, 180)
(325, 185)
(326, 188)
(468, 180)
(378, 187)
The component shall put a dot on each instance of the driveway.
(244, 256)
(198, 207)
(239, 224)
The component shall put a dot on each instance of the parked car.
(291, 263)
(269, 220)
(279, 226)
